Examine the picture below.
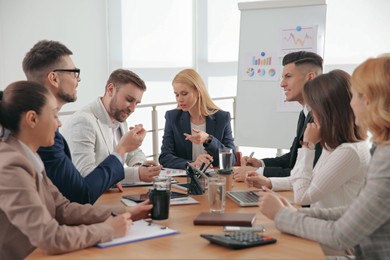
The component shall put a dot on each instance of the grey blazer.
(365, 224)
(90, 140)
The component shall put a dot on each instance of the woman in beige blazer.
(33, 213)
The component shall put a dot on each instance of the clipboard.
(140, 230)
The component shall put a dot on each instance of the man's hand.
(141, 210)
(131, 140)
(146, 173)
(119, 187)
(247, 161)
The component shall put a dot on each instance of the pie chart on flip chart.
(250, 72)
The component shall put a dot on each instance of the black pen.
(201, 167)
(205, 169)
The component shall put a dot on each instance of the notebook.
(225, 219)
(140, 230)
(244, 198)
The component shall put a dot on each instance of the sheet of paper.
(140, 230)
(178, 201)
(173, 172)
(183, 201)
(141, 183)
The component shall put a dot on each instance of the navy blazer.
(76, 188)
(281, 166)
(176, 151)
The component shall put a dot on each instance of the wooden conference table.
(188, 244)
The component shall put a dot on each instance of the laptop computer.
(244, 198)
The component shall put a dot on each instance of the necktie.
(301, 124)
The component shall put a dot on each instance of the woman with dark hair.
(365, 224)
(340, 171)
(33, 213)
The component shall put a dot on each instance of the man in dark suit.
(49, 63)
(298, 68)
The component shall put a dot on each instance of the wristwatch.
(309, 145)
(208, 140)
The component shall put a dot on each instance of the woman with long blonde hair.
(197, 128)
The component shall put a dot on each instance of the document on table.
(173, 172)
(141, 183)
(140, 230)
(177, 172)
(178, 201)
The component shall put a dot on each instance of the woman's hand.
(120, 224)
(199, 137)
(253, 179)
(312, 133)
(270, 204)
(240, 173)
(203, 159)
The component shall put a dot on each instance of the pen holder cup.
(196, 185)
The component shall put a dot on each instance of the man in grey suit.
(94, 131)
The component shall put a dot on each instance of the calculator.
(239, 240)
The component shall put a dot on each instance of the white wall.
(80, 25)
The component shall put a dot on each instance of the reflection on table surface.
(188, 244)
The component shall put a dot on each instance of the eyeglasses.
(75, 71)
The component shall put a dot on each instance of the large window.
(158, 38)
(156, 34)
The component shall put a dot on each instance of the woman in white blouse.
(340, 171)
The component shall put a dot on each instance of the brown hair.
(18, 98)
(329, 96)
(372, 79)
(122, 76)
(42, 58)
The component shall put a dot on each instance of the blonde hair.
(191, 78)
(372, 80)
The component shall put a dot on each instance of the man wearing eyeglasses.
(49, 63)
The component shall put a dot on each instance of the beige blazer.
(33, 213)
(90, 140)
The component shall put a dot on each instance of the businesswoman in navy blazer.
(197, 128)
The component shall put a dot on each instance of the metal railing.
(154, 121)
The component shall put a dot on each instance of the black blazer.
(176, 151)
